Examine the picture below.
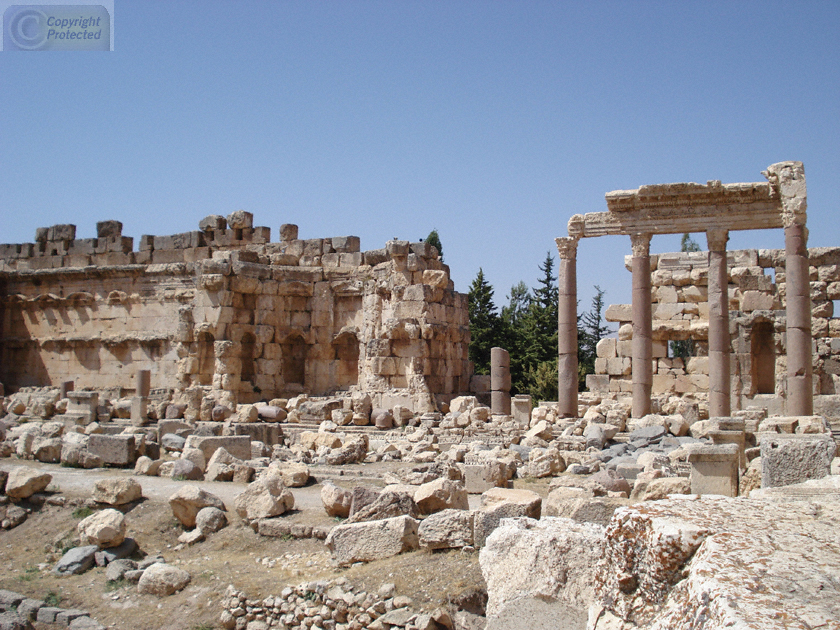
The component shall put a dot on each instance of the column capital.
(640, 243)
(567, 247)
(716, 239)
(787, 180)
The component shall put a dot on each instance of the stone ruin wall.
(757, 329)
(225, 309)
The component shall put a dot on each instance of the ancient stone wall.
(227, 309)
(756, 290)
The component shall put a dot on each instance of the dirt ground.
(257, 565)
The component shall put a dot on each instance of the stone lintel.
(714, 453)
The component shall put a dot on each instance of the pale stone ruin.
(679, 494)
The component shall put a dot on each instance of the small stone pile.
(332, 605)
(18, 611)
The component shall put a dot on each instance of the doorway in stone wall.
(206, 358)
(346, 356)
(763, 358)
(294, 350)
(246, 354)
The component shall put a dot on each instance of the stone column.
(642, 325)
(719, 344)
(500, 381)
(788, 181)
(567, 339)
(140, 401)
(66, 386)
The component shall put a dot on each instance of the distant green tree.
(513, 314)
(684, 348)
(591, 329)
(539, 332)
(434, 239)
(485, 323)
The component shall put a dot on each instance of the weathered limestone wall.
(756, 290)
(227, 309)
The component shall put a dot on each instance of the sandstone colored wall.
(225, 308)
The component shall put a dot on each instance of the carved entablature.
(692, 207)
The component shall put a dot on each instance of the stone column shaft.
(719, 343)
(567, 337)
(642, 325)
(800, 393)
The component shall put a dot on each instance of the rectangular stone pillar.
(66, 386)
(642, 325)
(143, 385)
(567, 339)
(719, 343)
(500, 381)
(521, 408)
(714, 469)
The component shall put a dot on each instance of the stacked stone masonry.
(226, 309)
(756, 298)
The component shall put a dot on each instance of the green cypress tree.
(485, 323)
(591, 329)
(434, 239)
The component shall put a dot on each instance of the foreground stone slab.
(373, 540)
(189, 500)
(551, 559)
(499, 503)
(162, 579)
(23, 482)
(116, 450)
(117, 491)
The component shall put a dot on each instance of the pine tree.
(538, 327)
(485, 323)
(512, 316)
(434, 239)
(591, 329)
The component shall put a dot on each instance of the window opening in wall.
(347, 360)
(247, 357)
(763, 354)
(294, 361)
(206, 358)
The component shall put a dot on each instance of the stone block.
(116, 450)
(606, 348)
(237, 445)
(619, 313)
(790, 459)
(714, 469)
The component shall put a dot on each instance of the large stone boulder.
(336, 500)
(23, 482)
(182, 469)
(447, 529)
(373, 540)
(210, 520)
(552, 560)
(387, 505)
(187, 502)
(441, 494)
(264, 498)
(499, 503)
(294, 474)
(117, 491)
(76, 560)
(162, 579)
(103, 529)
(353, 451)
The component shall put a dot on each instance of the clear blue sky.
(493, 122)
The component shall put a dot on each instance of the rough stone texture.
(787, 460)
(76, 560)
(581, 509)
(551, 559)
(264, 498)
(441, 494)
(387, 505)
(13, 621)
(189, 500)
(162, 579)
(103, 529)
(24, 482)
(104, 557)
(336, 500)
(294, 474)
(210, 520)
(738, 563)
(373, 540)
(117, 450)
(117, 491)
(499, 503)
(447, 529)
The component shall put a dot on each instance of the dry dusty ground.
(236, 555)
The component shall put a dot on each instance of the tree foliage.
(527, 328)
(434, 239)
(485, 323)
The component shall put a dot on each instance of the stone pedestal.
(719, 344)
(567, 340)
(82, 406)
(642, 326)
(66, 386)
(500, 381)
(790, 459)
(714, 469)
(521, 408)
